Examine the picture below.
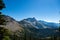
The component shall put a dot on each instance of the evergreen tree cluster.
(4, 34)
(2, 5)
(2, 20)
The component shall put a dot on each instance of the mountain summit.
(31, 22)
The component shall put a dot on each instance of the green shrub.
(6, 38)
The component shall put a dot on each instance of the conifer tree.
(2, 5)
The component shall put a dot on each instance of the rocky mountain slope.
(13, 27)
(11, 24)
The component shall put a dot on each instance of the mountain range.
(32, 27)
(40, 28)
(38, 24)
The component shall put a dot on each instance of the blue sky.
(47, 10)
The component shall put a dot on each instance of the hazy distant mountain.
(49, 24)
